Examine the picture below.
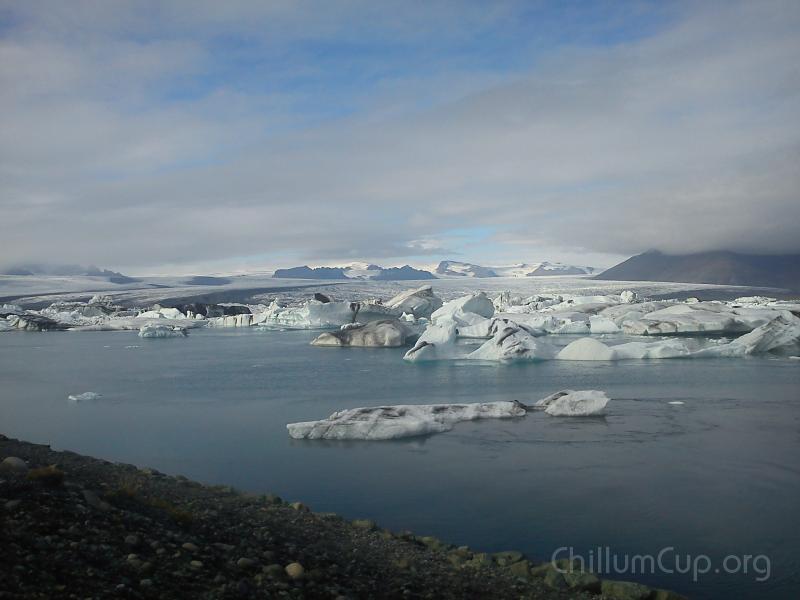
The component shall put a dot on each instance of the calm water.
(717, 475)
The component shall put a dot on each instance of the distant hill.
(452, 268)
(355, 271)
(306, 272)
(68, 271)
(722, 268)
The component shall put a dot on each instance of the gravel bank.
(78, 527)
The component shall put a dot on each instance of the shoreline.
(76, 526)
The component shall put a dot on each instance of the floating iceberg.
(84, 397)
(512, 342)
(569, 403)
(592, 349)
(319, 315)
(781, 334)
(466, 310)
(438, 342)
(161, 313)
(420, 302)
(375, 334)
(392, 422)
(161, 331)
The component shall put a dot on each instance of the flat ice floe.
(392, 422)
(84, 397)
(569, 403)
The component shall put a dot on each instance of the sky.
(204, 136)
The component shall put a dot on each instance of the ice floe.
(392, 422)
(84, 397)
(569, 403)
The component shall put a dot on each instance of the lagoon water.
(717, 475)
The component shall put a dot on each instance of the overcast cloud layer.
(207, 134)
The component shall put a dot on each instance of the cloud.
(133, 139)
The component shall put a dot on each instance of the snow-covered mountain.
(355, 271)
(451, 268)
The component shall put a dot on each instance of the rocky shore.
(72, 526)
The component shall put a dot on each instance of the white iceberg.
(466, 310)
(512, 342)
(420, 302)
(586, 349)
(437, 342)
(780, 334)
(375, 334)
(161, 331)
(314, 314)
(161, 313)
(84, 397)
(569, 403)
(392, 422)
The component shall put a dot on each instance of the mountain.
(68, 271)
(355, 271)
(306, 272)
(451, 268)
(722, 267)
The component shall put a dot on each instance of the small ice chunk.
(392, 422)
(569, 403)
(84, 397)
(675, 402)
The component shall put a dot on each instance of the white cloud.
(683, 140)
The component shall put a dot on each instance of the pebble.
(132, 540)
(299, 506)
(146, 583)
(196, 564)
(12, 504)
(245, 563)
(190, 547)
(295, 570)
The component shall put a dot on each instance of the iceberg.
(592, 349)
(84, 397)
(161, 313)
(161, 331)
(569, 403)
(586, 349)
(314, 314)
(420, 302)
(512, 342)
(392, 422)
(375, 334)
(781, 334)
(466, 310)
(436, 343)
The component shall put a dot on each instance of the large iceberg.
(420, 302)
(569, 403)
(512, 342)
(319, 315)
(437, 342)
(466, 310)
(781, 334)
(392, 422)
(375, 334)
(161, 331)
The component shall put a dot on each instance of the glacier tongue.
(392, 422)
